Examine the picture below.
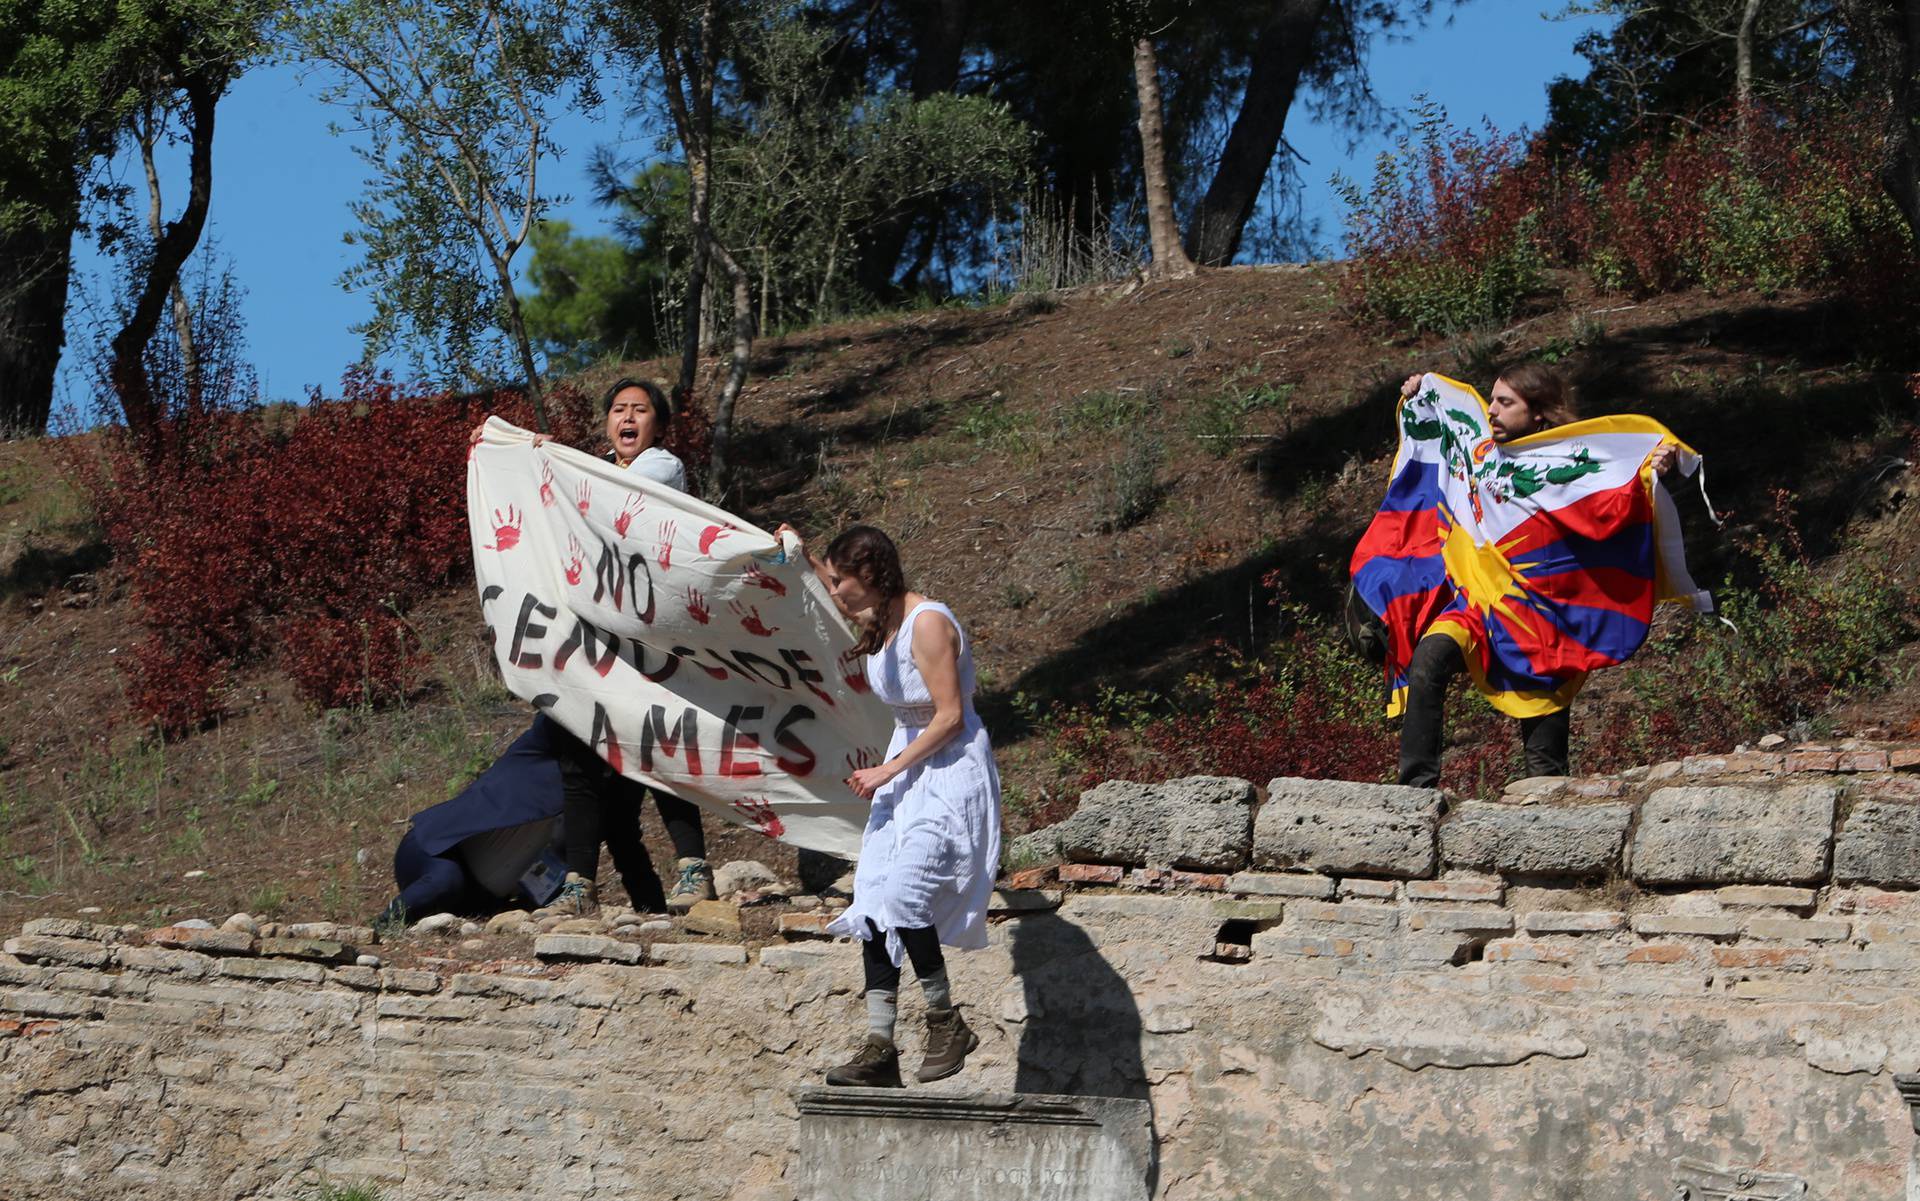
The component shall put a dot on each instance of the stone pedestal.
(892, 1145)
(1909, 1086)
(1695, 1180)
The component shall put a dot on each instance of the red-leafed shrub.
(1456, 228)
(1755, 201)
(304, 536)
(1448, 235)
(1306, 708)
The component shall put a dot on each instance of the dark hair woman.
(601, 805)
(932, 843)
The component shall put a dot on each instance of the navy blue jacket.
(523, 785)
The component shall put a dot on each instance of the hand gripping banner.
(674, 638)
(1542, 557)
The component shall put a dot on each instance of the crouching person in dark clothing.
(493, 844)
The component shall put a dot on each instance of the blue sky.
(282, 181)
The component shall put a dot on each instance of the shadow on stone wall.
(1082, 1031)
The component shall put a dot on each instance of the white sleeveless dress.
(932, 845)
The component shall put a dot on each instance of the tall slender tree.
(73, 80)
(455, 97)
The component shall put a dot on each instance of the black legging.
(923, 951)
(1436, 660)
(602, 806)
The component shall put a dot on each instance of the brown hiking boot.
(948, 1041)
(576, 898)
(875, 1065)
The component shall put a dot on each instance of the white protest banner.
(674, 638)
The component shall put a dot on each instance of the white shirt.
(662, 467)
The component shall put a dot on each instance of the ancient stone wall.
(1305, 1027)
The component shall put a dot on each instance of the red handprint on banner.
(506, 529)
(711, 535)
(546, 485)
(853, 670)
(759, 814)
(761, 579)
(861, 759)
(750, 620)
(576, 559)
(697, 606)
(628, 512)
(583, 497)
(665, 554)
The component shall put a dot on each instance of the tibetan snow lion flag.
(1542, 557)
(674, 638)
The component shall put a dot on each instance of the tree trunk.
(1886, 37)
(1170, 259)
(1901, 174)
(693, 309)
(1743, 65)
(34, 267)
(517, 326)
(148, 134)
(717, 482)
(127, 368)
(1284, 49)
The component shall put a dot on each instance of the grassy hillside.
(1129, 494)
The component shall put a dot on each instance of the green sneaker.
(577, 898)
(695, 885)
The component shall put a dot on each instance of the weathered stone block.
(713, 917)
(803, 925)
(1766, 896)
(1381, 917)
(1735, 834)
(1591, 921)
(1273, 942)
(1463, 921)
(41, 948)
(1281, 884)
(215, 942)
(320, 949)
(190, 964)
(1656, 924)
(272, 969)
(1880, 845)
(410, 979)
(1201, 823)
(1372, 890)
(1337, 826)
(786, 959)
(66, 927)
(585, 947)
(1535, 840)
(1456, 890)
(892, 1145)
(1793, 929)
(696, 952)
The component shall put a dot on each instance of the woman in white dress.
(932, 843)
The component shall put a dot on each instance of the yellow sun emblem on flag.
(1482, 572)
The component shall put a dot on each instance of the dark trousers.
(1436, 660)
(923, 951)
(436, 883)
(601, 806)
